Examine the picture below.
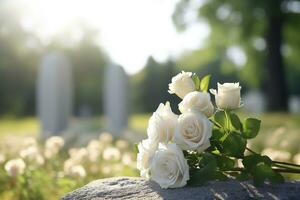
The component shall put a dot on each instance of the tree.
(150, 86)
(261, 28)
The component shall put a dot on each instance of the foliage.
(53, 178)
(21, 52)
(247, 26)
(149, 86)
(228, 147)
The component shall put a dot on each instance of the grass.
(24, 126)
(279, 131)
(290, 124)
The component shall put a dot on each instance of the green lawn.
(278, 130)
(24, 126)
(272, 123)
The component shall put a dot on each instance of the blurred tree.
(20, 53)
(89, 62)
(18, 58)
(150, 86)
(261, 29)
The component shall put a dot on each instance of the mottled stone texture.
(138, 188)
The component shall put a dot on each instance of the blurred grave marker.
(254, 101)
(294, 104)
(54, 93)
(115, 99)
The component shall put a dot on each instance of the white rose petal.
(228, 96)
(182, 84)
(169, 168)
(193, 131)
(198, 101)
(146, 150)
(162, 124)
(15, 167)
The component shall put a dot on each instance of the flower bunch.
(204, 142)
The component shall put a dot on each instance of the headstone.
(139, 188)
(254, 101)
(115, 99)
(54, 93)
(294, 104)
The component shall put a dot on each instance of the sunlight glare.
(130, 31)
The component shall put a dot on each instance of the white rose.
(193, 131)
(146, 150)
(15, 167)
(162, 124)
(198, 101)
(228, 95)
(182, 84)
(169, 168)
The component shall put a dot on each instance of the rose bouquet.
(204, 143)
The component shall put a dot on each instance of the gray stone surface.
(138, 188)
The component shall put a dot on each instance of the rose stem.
(251, 150)
(284, 163)
(297, 171)
(275, 169)
(215, 123)
(276, 162)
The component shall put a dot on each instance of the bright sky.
(131, 30)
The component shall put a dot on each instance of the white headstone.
(115, 99)
(294, 104)
(254, 101)
(54, 93)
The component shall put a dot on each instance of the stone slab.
(139, 188)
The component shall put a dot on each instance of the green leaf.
(196, 80)
(220, 118)
(218, 175)
(251, 161)
(208, 159)
(135, 148)
(204, 83)
(217, 134)
(225, 163)
(262, 172)
(206, 172)
(234, 145)
(243, 176)
(235, 122)
(251, 128)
